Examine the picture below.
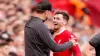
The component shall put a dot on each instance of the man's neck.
(60, 30)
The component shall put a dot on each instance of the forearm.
(62, 47)
(95, 40)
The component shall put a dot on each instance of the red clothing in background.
(62, 5)
(94, 8)
(63, 37)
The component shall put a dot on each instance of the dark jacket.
(95, 42)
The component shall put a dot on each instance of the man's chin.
(55, 29)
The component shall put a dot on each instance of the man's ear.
(65, 22)
(46, 12)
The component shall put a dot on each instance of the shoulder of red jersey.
(70, 34)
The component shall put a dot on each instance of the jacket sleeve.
(47, 38)
(95, 41)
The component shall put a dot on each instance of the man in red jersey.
(62, 35)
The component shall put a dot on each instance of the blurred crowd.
(15, 13)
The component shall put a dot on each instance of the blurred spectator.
(4, 35)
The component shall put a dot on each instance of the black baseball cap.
(45, 5)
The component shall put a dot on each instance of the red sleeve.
(76, 50)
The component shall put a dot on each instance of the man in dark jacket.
(38, 39)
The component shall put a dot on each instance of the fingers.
(74, 41)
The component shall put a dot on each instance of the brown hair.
(17, 28)
(65, 15)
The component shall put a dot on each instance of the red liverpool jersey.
(62, 38)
